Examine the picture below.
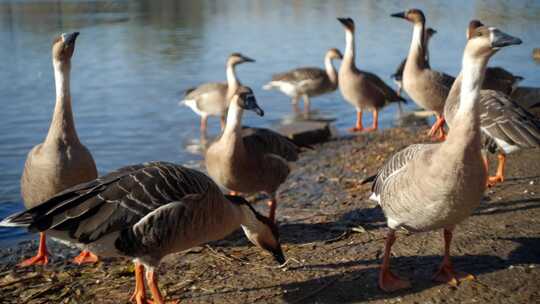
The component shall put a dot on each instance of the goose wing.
(397, 162)
(380, 86)
(398, 74)
(300, 75)
(258, 141)
(507, 122)
(115, 201)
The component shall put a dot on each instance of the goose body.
(249, 160)
(362, 89)
(145, 212)
(61, 161)
(307, 81)
(506, 126)
(427, 87)
(212, 99)
(436, 186)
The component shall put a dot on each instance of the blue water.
(134, 58)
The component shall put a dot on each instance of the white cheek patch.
(63, 37)
(491, 34)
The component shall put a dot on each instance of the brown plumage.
(249, 160)
(363, 90)
(145, 212)
(61, 161)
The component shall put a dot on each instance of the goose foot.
(494, 180)
(42, 257)
(389, 282)
(355, 129)
(86, 257)
(447, 274)
(499, 177)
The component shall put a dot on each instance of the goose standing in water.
(307, 82)
(507, 127)
(449, 177)
(398, 75)
(145, 212)
(250, 160)
(428, 88)
(362, 89)
(61, 161)
(212, 99)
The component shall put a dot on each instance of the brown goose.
(449, 177)
(307, 82)
(212, 99)
(250, 160)
(428, 88)
(145, 212)
(61, 161)
(398, 75)
(362, 89)
(507, 127)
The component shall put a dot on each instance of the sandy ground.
(333, 237)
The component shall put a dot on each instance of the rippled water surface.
(134, 58)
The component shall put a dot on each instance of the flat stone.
(305, 133)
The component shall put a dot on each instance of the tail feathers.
(268, 86)
(20, 219)
(369, 179)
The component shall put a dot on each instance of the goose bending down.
(307, 82)
(507, 127)
(250, 160)
(212, 99)
(398, 74)
(61, 161)
(145, 212)
(449, 177)
(427, 87)
(362, 89)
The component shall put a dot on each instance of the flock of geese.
(147, 211)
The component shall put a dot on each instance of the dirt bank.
(333, 236)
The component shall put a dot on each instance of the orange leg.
(446, 272)
(359, 126)
(139, 295)
(151, 277)
(42, 257)
(438, 127)
(204, 124)
(222, 122)
(272, 204)
(499, 177)
(388, 281)
(234, 193)
(375, 125)
(86, 257)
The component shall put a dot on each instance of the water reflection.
(134, 58)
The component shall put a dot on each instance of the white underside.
(505, 146)
(192, 104)
(375, 197)
(285, 87)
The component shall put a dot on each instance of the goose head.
(237, 58)
(334, 53)
(348, 23)
(413, 15)
(485, 41)
(245, 99)
(64, 46)
(260, 230)
(430, 32)
(473, 25)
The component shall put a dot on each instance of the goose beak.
(69, 39)
(247, 59)
(346, 22)
(399, 15)
(258, 111)
(278, 255)
(500, 39)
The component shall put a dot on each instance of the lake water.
(134, 58)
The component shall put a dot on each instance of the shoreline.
(333, 237)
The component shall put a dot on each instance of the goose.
(308, 81)
(212, 99)
(145, 212)
(249, 160)
(449, 177)
(427, 87)
(398, 74)
(364, 90)
(507, 127)
(60, 161)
